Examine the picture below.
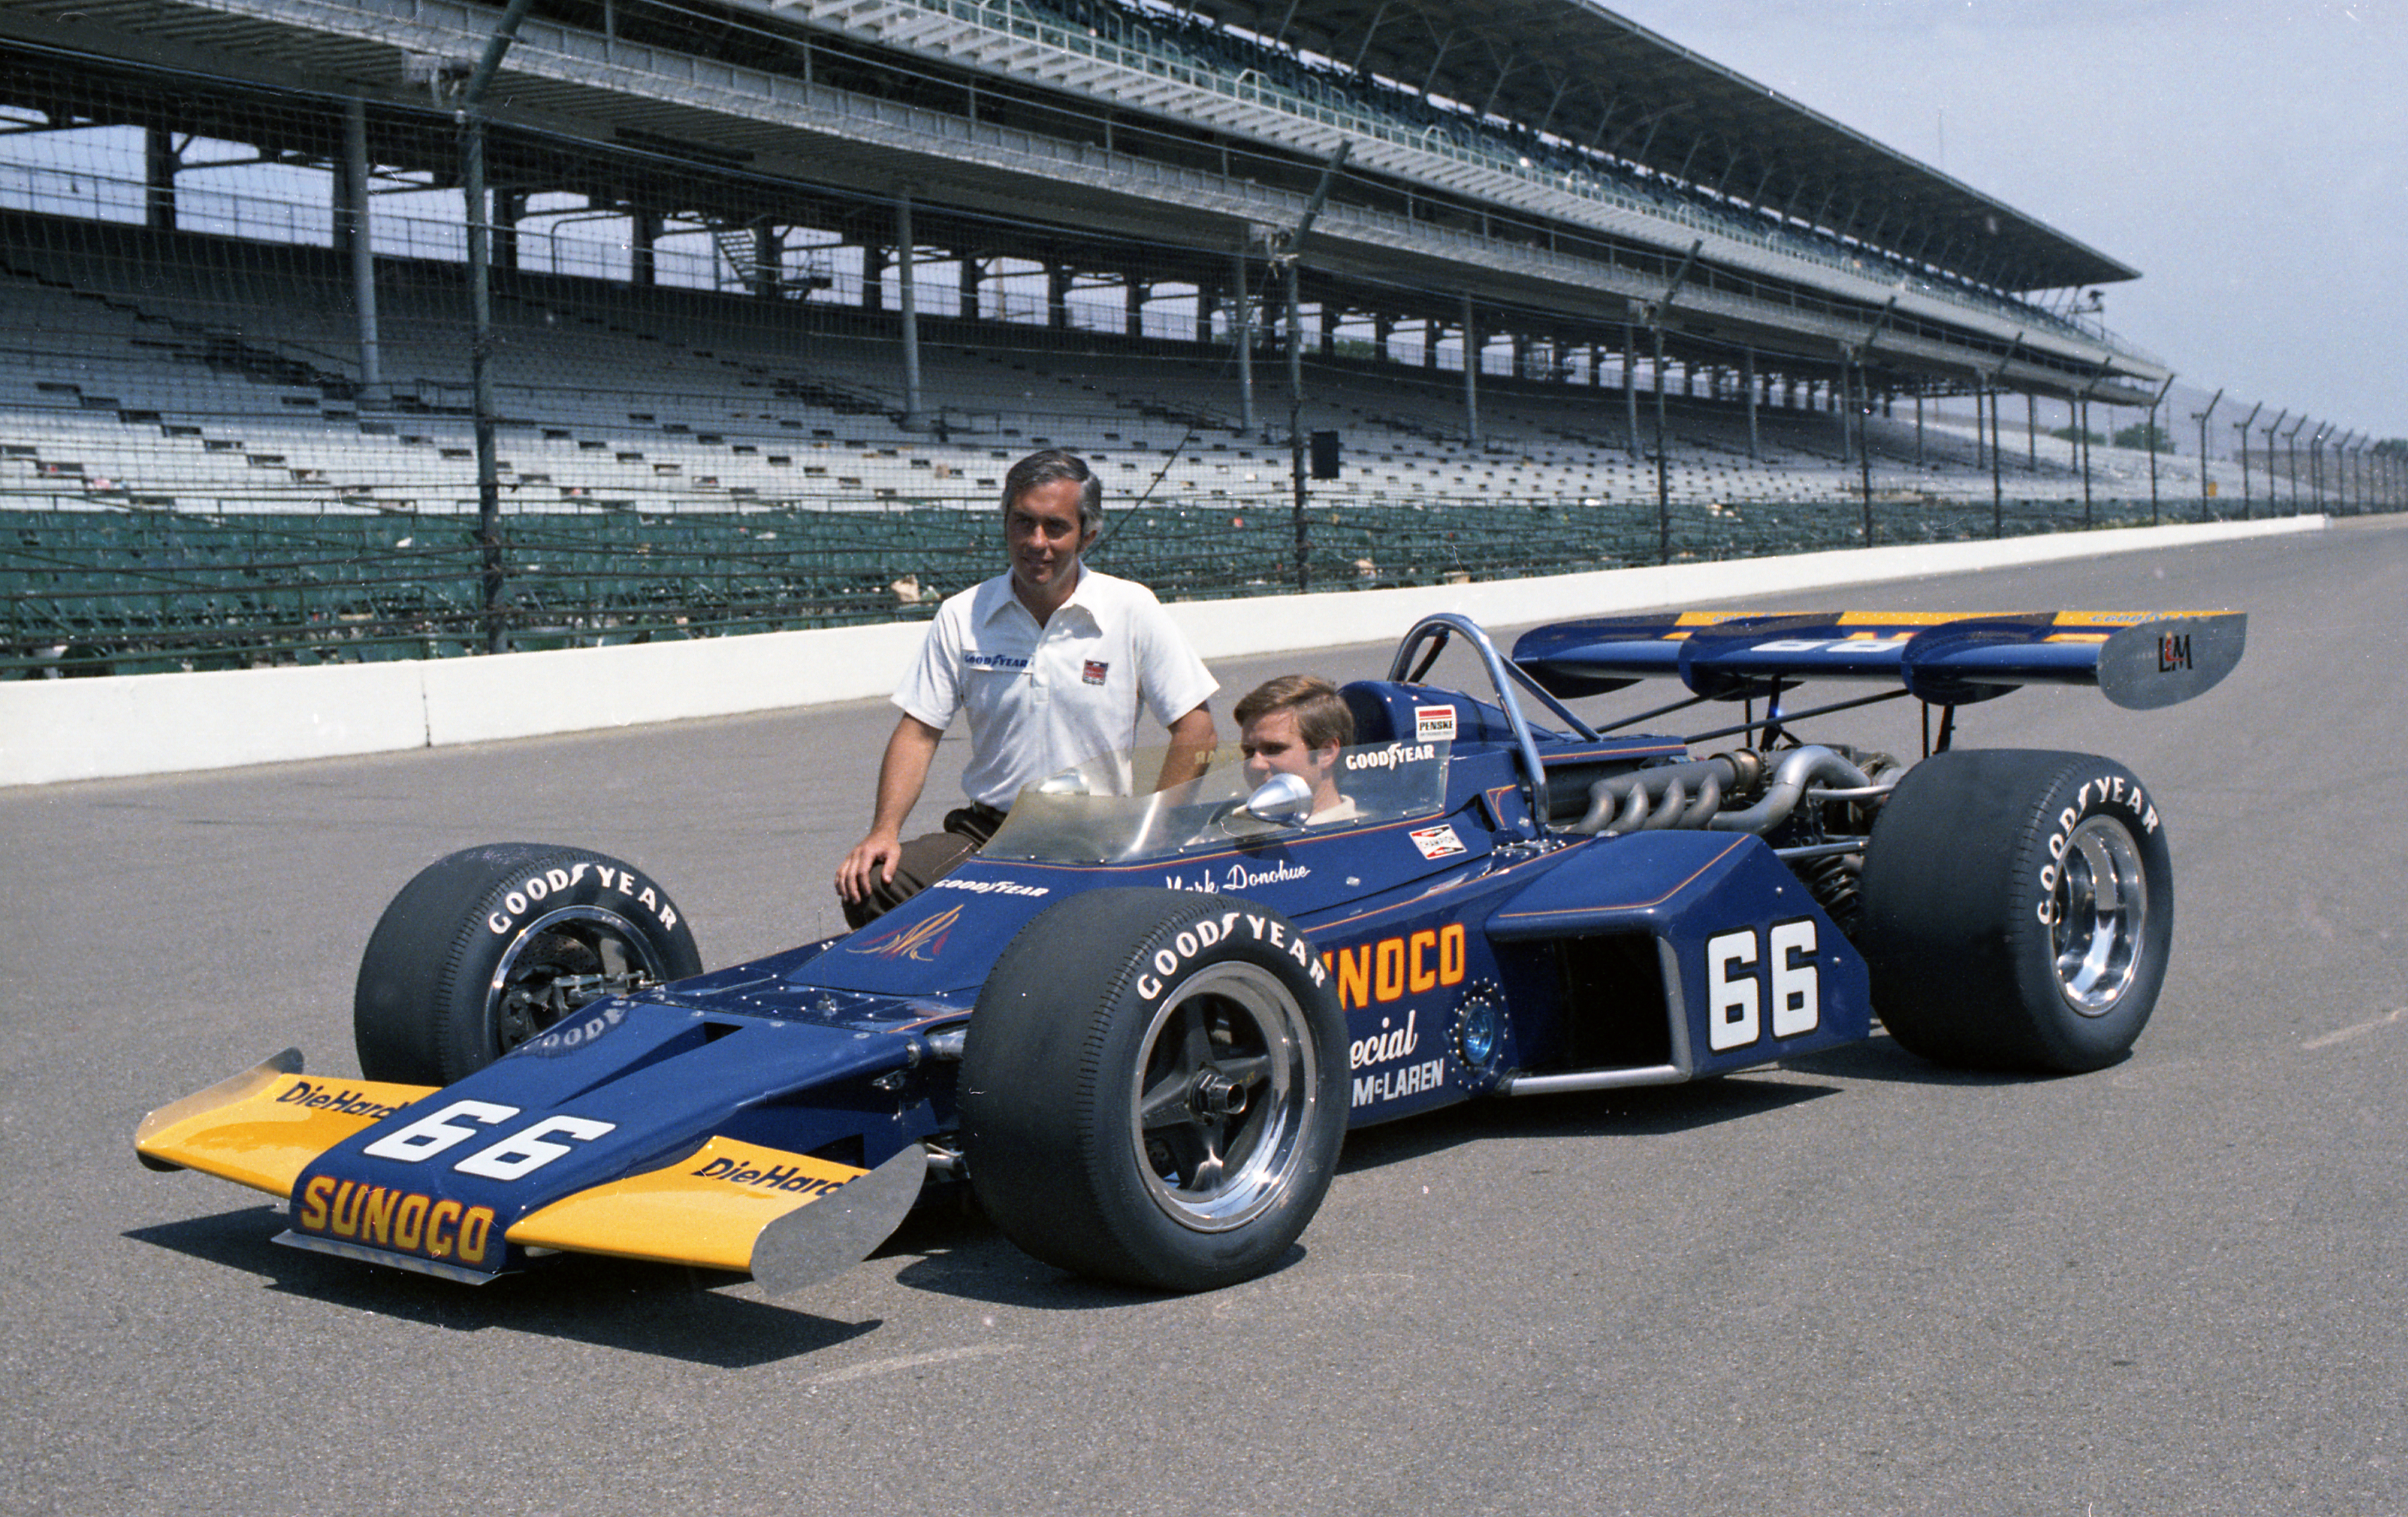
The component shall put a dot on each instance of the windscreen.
(1082, 816)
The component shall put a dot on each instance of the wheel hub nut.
(1217, 1096)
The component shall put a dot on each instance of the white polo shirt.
(1042, 699)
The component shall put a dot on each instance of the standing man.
(1051, 661)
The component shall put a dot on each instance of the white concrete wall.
(146, 724)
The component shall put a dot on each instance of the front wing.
(728, 1205)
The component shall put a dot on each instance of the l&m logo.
(921, 940)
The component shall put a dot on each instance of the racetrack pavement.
(1859, 1284)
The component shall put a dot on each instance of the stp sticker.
(1434, 724)
(1436, 842)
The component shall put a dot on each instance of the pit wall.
(52, 730)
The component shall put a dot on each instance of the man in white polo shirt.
(1052, 662)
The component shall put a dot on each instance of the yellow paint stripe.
(263, 1130)
(1903, 618)
(1689, 621)
(2112, 619)
(706, 1209)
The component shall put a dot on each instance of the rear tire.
(2018, 907)
(1153, 1089)
(491, 947)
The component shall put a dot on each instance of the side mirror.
(1284, 799)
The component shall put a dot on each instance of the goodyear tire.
(491, 947)
(1153, 1087)
(2017, 910)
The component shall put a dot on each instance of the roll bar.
(1435, 629)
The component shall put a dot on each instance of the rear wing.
(2140, 659)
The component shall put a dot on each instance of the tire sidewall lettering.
(2115, 796)
(426, 1004)
(1179, 950)
(1049, 1104)
(1168, 959)
(1960, 877)
(1239, 929)
(592, 884)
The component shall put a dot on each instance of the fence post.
(480, 234)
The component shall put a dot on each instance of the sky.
(2250, 160)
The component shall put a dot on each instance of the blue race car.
(1139, 1025)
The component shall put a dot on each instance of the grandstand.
(762, 295)
(149, 396)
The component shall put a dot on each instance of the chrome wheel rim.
(2097, 916)
(561, 961)
(1220, 1095)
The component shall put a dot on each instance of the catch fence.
(101, 593)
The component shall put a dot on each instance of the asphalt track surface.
(1861, 1284)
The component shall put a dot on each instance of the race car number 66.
(517, 1155)
(1734, 997)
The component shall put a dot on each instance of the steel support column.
(1470, 374)
(1241, 338)
(1753, 448)
(2149, 440)
(2267, 432)
(359, 232)
(907, 273)
(2242, 428)
(478, 229)
(1631, 387)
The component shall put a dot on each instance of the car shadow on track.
(959, 1252)
(1880, 1058)
(1656, 1110)
(1648, 1111)
(664, 1309)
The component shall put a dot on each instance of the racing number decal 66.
(507, 1160)
(1740, 981)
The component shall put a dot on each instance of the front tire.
(491, 947)
(2018, 907)
(1153, 1089)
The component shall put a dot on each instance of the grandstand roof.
(712, 85)
(1570, 68)
(1600, 79)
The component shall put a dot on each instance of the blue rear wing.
(2140, 659)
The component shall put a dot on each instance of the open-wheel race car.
(1139, 1025)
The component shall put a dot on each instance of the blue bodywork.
(1473, 944)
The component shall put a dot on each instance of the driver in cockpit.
(1295, 725)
